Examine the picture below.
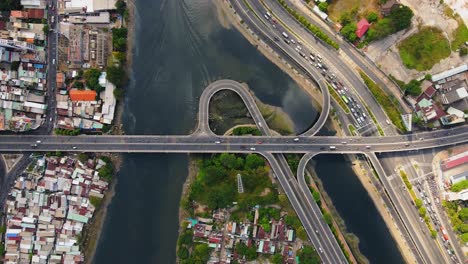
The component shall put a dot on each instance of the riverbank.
(94, 230)
(227, 17)
(363, 174)
(227, 110)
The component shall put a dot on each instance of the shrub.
(372, 17)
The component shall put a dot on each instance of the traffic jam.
(361, 119)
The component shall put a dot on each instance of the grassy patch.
(95, 201)
(379, 128)
(312, 28)
(246, 130)
(352, 129)
(390, 108)
(421, 51)
(460, 35)
(459, 186)
(338, 99)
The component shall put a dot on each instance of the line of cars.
(431, 212)
(357, 111)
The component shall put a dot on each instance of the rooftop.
(82, 95)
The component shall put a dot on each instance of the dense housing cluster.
(48, 207)
(242, 240)
(23, 82)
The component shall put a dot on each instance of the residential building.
(362, 27)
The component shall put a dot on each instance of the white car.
(296, 139)
(253, 149)
(218, 142)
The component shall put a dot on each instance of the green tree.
(328, 219)
(201, 253)
(119, 39)
(45, 29)
(239, 163)
(308, 255)
(401, 17)
(349, 31)
(382, 28)
(253, 161)
(118, 93)
(464, 237)
(372, 17)
(345, 18)
(121, 6)
(214, 174)
(78, 85)
(418, 202)
(116, 75)
(463, 214)
(83, 157)
(8, 5)
(463, 228)
(277, 259)
(228, 160)
(323, 6)
(463, 51)
(413, 88)
(91, 77)
(316, 196)
(183, 252)
(422, 211)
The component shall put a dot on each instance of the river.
(179, 48)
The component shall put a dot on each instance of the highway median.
(338, 99)
(390, 108)
(312, 28)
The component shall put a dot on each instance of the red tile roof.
(430, 91)
(35, 13)
(82, 95)
(28, 13)
(19, 14)
(362, 27)
(455, 161)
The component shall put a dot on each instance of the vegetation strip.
(379, 128)
(312, 28)
(384, 100)
(338, 99)
(418, 203)
(352, 129)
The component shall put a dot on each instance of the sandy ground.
(461, 7)
(428, 13)
(10, 160)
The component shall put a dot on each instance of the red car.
(259, 142)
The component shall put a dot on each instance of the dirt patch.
(10, 160)
(337, 7)
(265, 192)
(426, 13)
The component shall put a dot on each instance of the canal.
(179, 48)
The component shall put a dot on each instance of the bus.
(345, 99)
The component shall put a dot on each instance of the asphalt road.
(344, 70)
(288, 54)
